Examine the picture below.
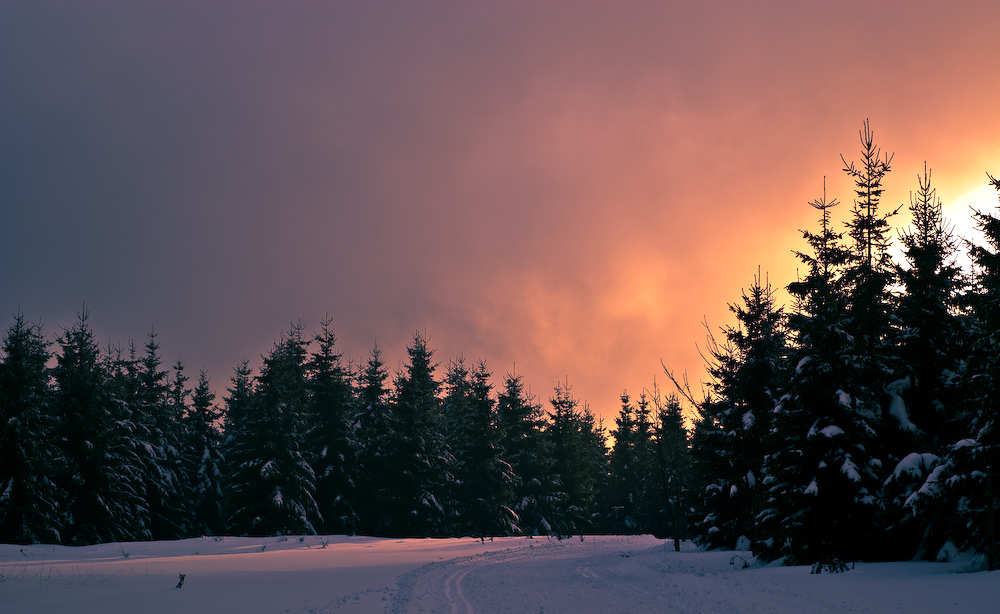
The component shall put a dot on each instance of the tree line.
(109, 445)
(857, 423)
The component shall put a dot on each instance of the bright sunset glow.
(568, 187)
(960, 211)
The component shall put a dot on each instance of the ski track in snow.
(544, 576)
(455, 580)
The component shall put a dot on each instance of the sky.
(570, 191)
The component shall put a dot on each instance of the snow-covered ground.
(363, 574)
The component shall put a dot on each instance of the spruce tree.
(237, 443)
(970, 477)
(158, 424)
(204, 460)
(674, 468)
(482, 485)
(869, 270)
(177, 405)
(272, 486)
(648, 509)
(525, 446)
(633, 498)
(239, 402)
(456, 410)
(330, 440)
(103, 487)
(29, 460)
(372, 426)
(580, 462)
(624, 472)
(933, 329)
(492, 475)
(823, 478)
(419, 459)
(727, 445)
(925, 399)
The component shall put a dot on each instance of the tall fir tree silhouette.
(29, 460)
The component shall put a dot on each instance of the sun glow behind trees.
(958, 214)
(959, 211)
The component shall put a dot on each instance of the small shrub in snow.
(744, 564)
(834, 566)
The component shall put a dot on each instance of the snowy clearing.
(317, 574)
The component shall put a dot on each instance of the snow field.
(318, 575)
(643, 574)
